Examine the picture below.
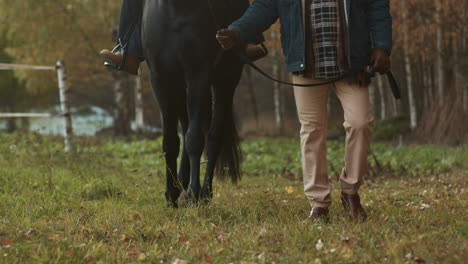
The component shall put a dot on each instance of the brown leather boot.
(319, 214)
(352, 204)
(255, 52)
(131, 64)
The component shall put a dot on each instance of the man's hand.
(361, 78)
(380, 61)
(227, 38)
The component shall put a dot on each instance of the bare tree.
(383, 107)
(122, 106)
(139, 106)
(408, 70)
(439, 48)
(276, 86)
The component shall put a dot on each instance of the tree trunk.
(465, 99)
(372, 98)
(139, 106)
(11, 125)
(408, 71)
(121, 110)
(411, 99)
(426, 85)
(395, 106)
(383, 107)
(276, 87)
(439, 50)
(251, 94)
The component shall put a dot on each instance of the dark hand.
(380, 61)
(227, 38)
(362, 78)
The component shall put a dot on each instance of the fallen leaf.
(221, 238)
(5, 242)
(208, 258)
(179, 261)
(88, 257)
(279, 239)
(123, 237)
(425, 206)
(54, 237)
(346, 252)
(261, 255)
(289, 189)
(136, 217)
(383, 218)
(141, 257)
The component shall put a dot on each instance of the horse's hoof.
(206, 195)
(205, 201)
(192, 200)
(173, 205)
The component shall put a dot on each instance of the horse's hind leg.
(184, 170)
(225, 81)
(198, 82)
(166, 92)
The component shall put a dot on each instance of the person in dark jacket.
(128, 54)
(323, 40)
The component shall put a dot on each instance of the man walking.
(323, 39)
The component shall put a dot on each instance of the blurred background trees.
(430, 60)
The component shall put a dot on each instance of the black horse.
(194, 83)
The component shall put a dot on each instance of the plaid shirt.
(325, 41)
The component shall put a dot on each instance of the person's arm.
(257, 19)
(379, 20)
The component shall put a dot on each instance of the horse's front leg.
(198, 100)
(166, 92)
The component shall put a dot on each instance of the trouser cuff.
(349, 189)
(319, 204)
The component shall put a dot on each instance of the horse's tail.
(230, 156)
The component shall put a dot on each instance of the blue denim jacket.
(369, 26)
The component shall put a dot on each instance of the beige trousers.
(311, 105)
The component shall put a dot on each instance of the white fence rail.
(63, 88)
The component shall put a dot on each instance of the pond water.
(86, 121)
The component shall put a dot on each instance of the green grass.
(105, 205)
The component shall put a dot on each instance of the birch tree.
(408, 70)
(139, 106)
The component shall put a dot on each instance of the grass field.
(105, 204)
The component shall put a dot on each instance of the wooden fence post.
(65, 107)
